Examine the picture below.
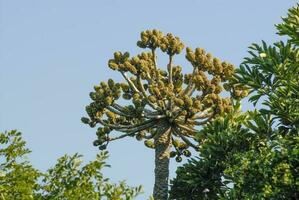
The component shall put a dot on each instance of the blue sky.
(53, 52)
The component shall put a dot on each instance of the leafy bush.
(67, 180)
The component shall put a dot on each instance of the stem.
(118, 112)
(169, 68)
(188, 129)
(190, 86)
(145, 96)
(131, 84)
(155, 63)
(185, 139)
(162, 149)
(121, 127)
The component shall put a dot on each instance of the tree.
(18, 179)
(272, 74)
(166, 106)
(67, 180)
(254, 155)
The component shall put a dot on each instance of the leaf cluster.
(69, 179)
(253, 155)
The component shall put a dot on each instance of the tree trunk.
(162, 149)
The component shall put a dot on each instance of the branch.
(131, 84)
(189, 129)
(190, 86)
(188, 142)
(191, 90)
(176, 130)
(202, 116)
(145, 96)
(120, 127)
(119, 112)
(155, 64)
(119, 137)
(132, 134)
(119, 107)
(203, 122)
(169, 68)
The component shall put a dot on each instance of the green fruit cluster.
(168, 43)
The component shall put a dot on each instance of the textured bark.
(162, 149)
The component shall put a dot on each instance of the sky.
(53, 52)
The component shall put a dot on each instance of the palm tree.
(164, 106)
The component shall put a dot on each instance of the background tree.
(67, 180)
(18, 179)
(256, 154)
(164, 106)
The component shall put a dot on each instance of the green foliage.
(202, 178)
(67, 180)
(254, 155)
(18, 179)
(267, 171)
(290, 25)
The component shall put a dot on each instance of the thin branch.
(121, 136)
(203, 122)
(144, 94)
(119, 127)
(177, 131)
(190, 86)
(119, 107)
(155, 64)
(191, 90)
(202, 116)
(140, 128)
(169, 68)
(131, 84)
(203, 113)
(189, 129)
(118, 112)
(188, 142)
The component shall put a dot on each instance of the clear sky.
(52, 52)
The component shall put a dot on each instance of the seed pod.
(197, 104)
(178, 159)
(139, 137)
(85, 120)
(96, 143)
(117, 55)
(149, 144)
(184, 112)
(176, 143)
(188, 101)
(127, 96)
(186, 153)
(136, 96)
(172, 154)
(112, 65)
(110, 114)
(110, 83)
(152, 99)
(92, 124)
(108, 100)
(102, 147)
(179, 102)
